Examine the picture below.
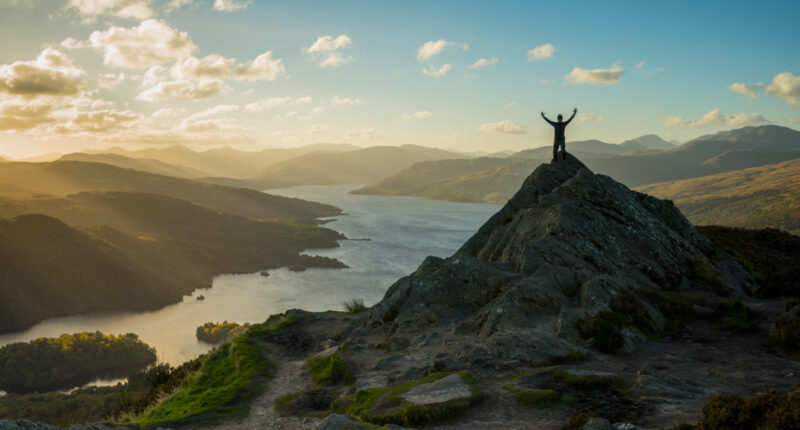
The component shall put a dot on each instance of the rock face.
(568, 246)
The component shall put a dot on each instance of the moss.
(583, 382)
(315, 402)
(528, 373)
(330, 370)
(386, 405)
(676, 307)
(630, 307)
(541, 397)
(708, 277)
(284, 404)
(785, 334)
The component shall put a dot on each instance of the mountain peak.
(566, 247)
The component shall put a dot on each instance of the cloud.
(231, 5)
(431, 48)
(110, 80)
(430, 70)
(363, 134)
(509, 105)
(266, 104)
(326, 50)
(337, 101)
(97, 121)
(595, 76)
(717, 118)
(169, 113)
(640, 66)
(746, 90)
(264, 67)
(505, 126)
(318, 129)
(589, 117)
(483, 62)
(183, 89)
(51, 74)
(425, 114)
(18, 115)
(302, 101)
(150, 43)
(541, 52)
(214, 111)
(786, 86)
(91, 9)
(174, 5)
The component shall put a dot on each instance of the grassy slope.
(766, 196)
(67, 177)
(223, 386)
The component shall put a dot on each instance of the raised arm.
(545, 118)
(574, 111)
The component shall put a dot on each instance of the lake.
(402, 231)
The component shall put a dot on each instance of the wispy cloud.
(432, 48)
(717, 118)
(363, 134)
(595, 76)
(430, 70)
(505, 126)
(483, 62)
(326, 50)
(338, 101)
(589, 117)
(231, 5)
(425, 114)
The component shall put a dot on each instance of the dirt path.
(288, 378)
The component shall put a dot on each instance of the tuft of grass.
(708, 278)
(604, 330)
(330, 370)
(763, 411)
(223, 384)
(354, 306)
(385, 405)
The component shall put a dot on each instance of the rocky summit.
(570, 246)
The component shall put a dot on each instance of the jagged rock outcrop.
(568, 246)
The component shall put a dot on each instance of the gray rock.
(343, 422)
(597, 424)
(25, 425)
(566, 246)
(451, 387)
(652, 382)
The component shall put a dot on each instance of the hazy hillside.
(69, 177)
(589, 148)
(144, 251)
(765, 196)
(144, 164)
(421, 176)
(226, 161)
(353, 167)
(732, 150)
(51, 156)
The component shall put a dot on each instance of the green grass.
(330, 369)
(384, 405)
(222, 387)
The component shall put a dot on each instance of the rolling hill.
(731, 150)
(765, 196)
(69, 177)
(352, 167)
(131, 251)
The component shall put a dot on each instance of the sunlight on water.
(402, 231)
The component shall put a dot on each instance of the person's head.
(560, 118)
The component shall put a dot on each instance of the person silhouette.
(560, 140)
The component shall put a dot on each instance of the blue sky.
(642, 67)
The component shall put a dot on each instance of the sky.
(459, 75)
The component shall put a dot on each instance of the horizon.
(257, 75)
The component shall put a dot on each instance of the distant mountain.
(225, 162)
(583, 148)
(353, 167)
(69, 177)
(732, 150)
(144, 164)
(52, 156)
(765, 196)
(650, 142)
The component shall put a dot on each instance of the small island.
(55, 363)
(220, 332)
